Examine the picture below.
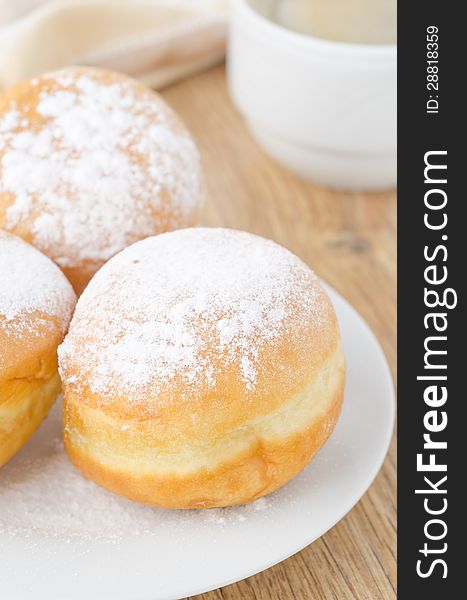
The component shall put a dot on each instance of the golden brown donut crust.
(98, 444)
(29, 380)
(163, 215)
(262, 469)
(36, 302)
(26, 404)
(208, 423)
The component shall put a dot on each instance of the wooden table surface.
(349, 240)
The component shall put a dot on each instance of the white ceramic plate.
(62, 538)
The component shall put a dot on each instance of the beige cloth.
(157, 41)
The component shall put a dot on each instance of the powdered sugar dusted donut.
(36, 302)
(202, 368)
(90, 162)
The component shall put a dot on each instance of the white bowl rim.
(375, 51)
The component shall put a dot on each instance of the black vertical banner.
(432, 255)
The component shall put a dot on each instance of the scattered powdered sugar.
(184, 308)
(43, 495)
(100, 165)
(29, 282)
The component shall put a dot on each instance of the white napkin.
(157, 41)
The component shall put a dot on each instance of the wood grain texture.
(350, 241)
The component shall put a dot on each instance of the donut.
(90, 162)
(202, 368)
(36, 302)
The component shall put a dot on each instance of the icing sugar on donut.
(30, 282)
(165, 309)
(94, 161)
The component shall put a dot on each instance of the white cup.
(325, 109)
